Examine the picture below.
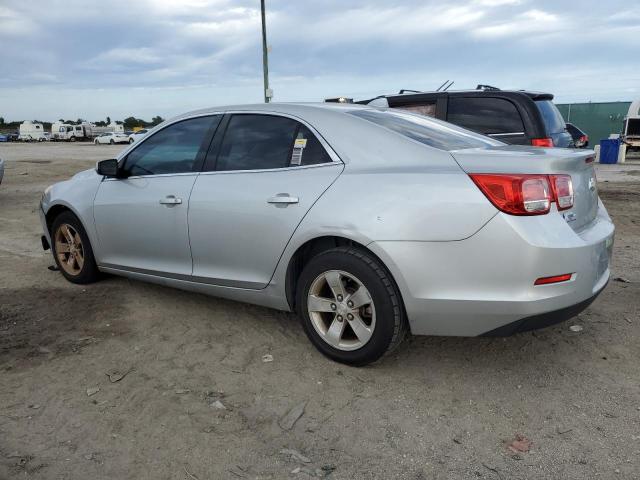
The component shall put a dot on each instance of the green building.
(598, 120)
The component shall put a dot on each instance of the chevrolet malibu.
(367, 222)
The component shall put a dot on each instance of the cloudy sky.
(79, 58)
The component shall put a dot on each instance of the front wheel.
(72, 250)
(350, 307)
(131, 140)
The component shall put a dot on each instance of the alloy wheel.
(341, 310)
(69, 249)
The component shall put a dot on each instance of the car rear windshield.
(551, 115)
(431, 132)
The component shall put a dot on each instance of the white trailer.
(31, 132)
(85, 131)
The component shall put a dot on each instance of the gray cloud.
(73, 58)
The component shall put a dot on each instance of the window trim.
(505, 134)
(217, 142)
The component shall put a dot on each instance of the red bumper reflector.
(555, 279)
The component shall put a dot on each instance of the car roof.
(476, 92)
(277, 107)
(310, 112)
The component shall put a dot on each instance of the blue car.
(4, 138)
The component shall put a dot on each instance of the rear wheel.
(72, 250)
(131, 140)
(350, 307)
(111, 142)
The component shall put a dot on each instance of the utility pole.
(268, 93)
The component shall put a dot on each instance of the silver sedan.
(367, 222)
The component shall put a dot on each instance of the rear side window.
(552, 117)
(428, 131)
(307, 149)
(428, 109)
(485, 115)
(254, 142)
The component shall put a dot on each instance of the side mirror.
(108, 168)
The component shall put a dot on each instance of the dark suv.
(513, 116)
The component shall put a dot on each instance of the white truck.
(85, 131)
(31, 132)
(631, 132)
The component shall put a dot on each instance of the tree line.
(129, 122)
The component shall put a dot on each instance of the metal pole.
(265, 55)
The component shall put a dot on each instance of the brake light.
(542, 142)
(562, 190)
(526, 194)
(516, 194)
(584, 138)
(555, 279)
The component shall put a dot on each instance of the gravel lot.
(439, 408)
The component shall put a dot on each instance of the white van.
(31, 132)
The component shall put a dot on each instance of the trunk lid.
(530, 160)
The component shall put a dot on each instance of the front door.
(264, 175)
(141, 219)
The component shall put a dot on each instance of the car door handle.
(283, 199)
(171, 200)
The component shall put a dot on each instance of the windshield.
(428, 131)
(551, 115)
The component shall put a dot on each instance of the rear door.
(261, 177)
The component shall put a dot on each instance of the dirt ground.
(439, 408)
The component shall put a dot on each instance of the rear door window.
(256, 142)
(485, 115)
(259, 142)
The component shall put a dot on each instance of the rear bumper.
(542, 320)
(484, 283)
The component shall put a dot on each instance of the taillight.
(542, 142)
(562, 190)
(516, 194)
(526, 194)
(584, 139)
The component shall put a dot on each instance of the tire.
(95, 142)
(111, 142)
(355, 268)
(72, 139)
(76, 272)
(131, 140)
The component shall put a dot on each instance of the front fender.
(76, 194)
